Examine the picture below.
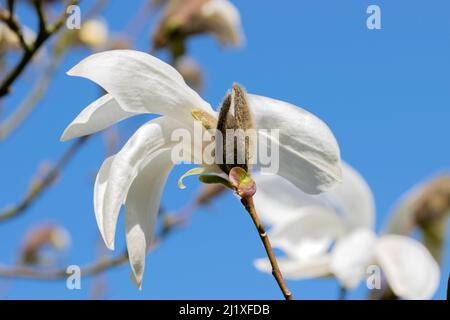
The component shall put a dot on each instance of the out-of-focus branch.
(88, 270)
(33, 99)
(65, 40)
(343, 292)
(43, 184)
(44, 33)
(8, 18)
(170, 224)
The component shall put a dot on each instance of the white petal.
(141, 209)
(309, 155)
(410, 269)
(309, 234)
(353, 198)
(225, 21)
(99, 115)
(297, 269)
(134, 156)
(352, 255)
(141, 83)
(99, 193)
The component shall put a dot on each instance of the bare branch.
(103, 264)
(249, 206)
(29, 51)
(42, 185)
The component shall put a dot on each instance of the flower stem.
(249, 206)
(342, 293)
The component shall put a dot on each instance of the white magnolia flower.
(94, 33)
(219, 18)
(140, 83)
(344, 215)
(224, 20)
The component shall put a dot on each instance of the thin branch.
(39, 187)
(13, 24)
(99, 266)
(44, 34)
(342, 293)
(448, 288)
(60, 274)
(250, 207)
(32, 99)
(11, 5)
(39, 8)
(35, 96)
(170, 224)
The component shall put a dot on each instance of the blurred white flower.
(424, 210)
(224, 20)
(40, 237)
(139, 83)
(191, 72)
(184, 18)
(94, 33)
(305, 227)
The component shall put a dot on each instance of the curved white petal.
(297, 269)
(141, 83)
(99, 115)
(410, 270)
(352, 255)
(134, 156)
(309, 155)
(309, 234)
(99, 193)
(141, 209)
(225, 21)
(353, 199)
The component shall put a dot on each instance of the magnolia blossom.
(183, 18)
(305, 226)
(224, 20)
(94, 33)
(139, 83)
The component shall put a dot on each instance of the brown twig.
(170, 224)
(99, 266)
(44, 33)
(8, 18)
(60, 274)
(448, 288)
(23, 111)
(31, 101)
(40, 186)
(250, 207)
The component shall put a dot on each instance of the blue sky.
(384, 93)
